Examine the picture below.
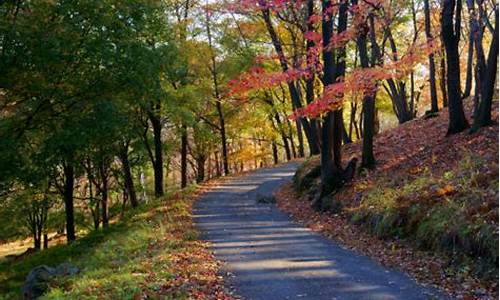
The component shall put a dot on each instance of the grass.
(152, 252)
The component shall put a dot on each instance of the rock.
(37, 281)
(66, 269)
(265, 199)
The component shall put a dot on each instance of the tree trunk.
(300, 138)
(290, 137)
(346, 139)
(432, 67)
(470, 56)
(184, 146)
(217, 164)
(444, 92)
(368, 159)
(218, 103)
(45, 241)
(37, 244)
(103, 169)
(94, 208)
(450, 32)
(69, 182)
(311, 57)
(158, 159)
(127, 176)
(488, 81)
(283, 136)
(311, 135)
(200, 168)
(331, 137)
(275, 152)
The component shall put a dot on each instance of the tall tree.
(217, 95)
(432, 66)
(451, 19)
(311, 134)
(487, 73)
(331, 137)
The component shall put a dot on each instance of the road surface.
(267, 256)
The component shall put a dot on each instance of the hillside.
(430, 207)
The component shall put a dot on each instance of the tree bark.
(158, 156)
(200, 168)
(300, 138)
(127, 176)
(45, 241)
(450, 32)
(69, 183)
(103, 170)
(367, 157)
(432, 66)
(444, 92)
(275, 152)
(331, 137)
(470, 55)
(184, 145)
(488, 79)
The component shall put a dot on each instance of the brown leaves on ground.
(192, 267)
(426, 268)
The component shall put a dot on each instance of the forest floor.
(151, 253)
(430, 208)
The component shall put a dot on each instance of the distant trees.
(331, 62)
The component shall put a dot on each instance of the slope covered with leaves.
(430, 207)
(151, 254)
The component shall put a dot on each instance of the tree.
(331, 137)
(451, 16)
(432, 67)
(487, 71)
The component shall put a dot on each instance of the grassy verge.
(152, 253)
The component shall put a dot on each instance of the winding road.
(267, 256)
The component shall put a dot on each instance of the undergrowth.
(151, 253)
(455, 213)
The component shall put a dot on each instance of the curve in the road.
(270, 257)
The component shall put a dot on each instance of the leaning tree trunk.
(450, 32)
(311, 134)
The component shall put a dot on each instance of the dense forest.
(108, 106)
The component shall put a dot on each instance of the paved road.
(270, 257)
